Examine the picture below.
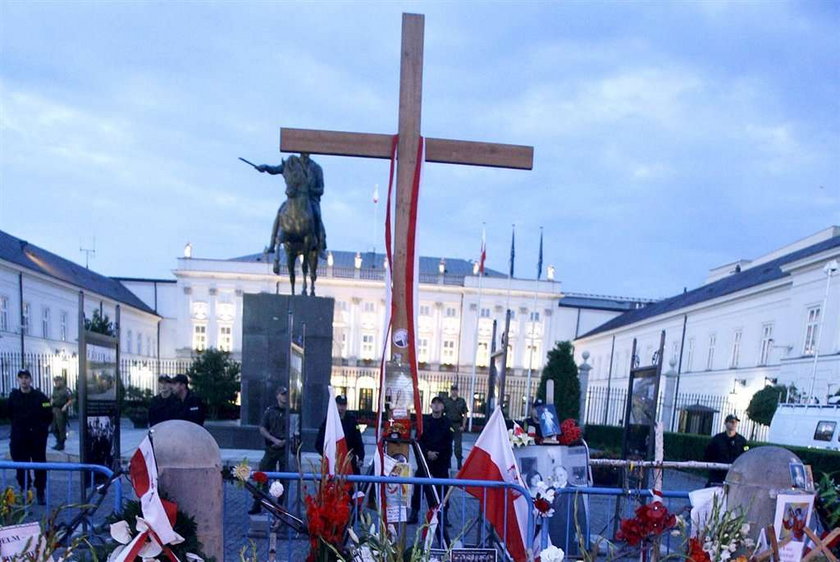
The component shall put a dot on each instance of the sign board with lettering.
(19, 539)
(463, 555)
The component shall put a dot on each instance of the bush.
(215, 378)
(561, 368)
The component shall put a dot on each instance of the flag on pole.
(539, 260)
(144, 476)
(491, 458)
(512, 249)
(483, 251)
(335, 444)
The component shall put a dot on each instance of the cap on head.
(341, 399)
(454, 386)
(181, 378)
(437, 399)
(731, 418)
(164, 378)
(24, 373)
(282, 390)
(538, 402)
(58, 378)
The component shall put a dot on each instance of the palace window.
(766, 344)
(370, 306)
(62, 326)
(484, 313)
(812, 327)
(199, 342)
(365, 399)
(139, 343)
(710, 359)
(448, 355)
(45, 323)
(4, 314)
(367, 346)
(736, 349)
(226, 338)
(509, 361)
(533, 352)
(482, 354)
(129, 341)
(451, 312)
(27, 310)
(534, 317)
(149, 347)
(425, 310)
(423, 350)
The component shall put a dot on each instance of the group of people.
(175, 401)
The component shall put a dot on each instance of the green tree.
(561, 368)
(764, 402)
(215, 378)
(100, 324)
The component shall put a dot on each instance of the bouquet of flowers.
(518, 437)
(721, 535)
(650, 521)
(328, 515)
(569, 432)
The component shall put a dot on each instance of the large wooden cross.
(380, 145)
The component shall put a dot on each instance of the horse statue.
(297, 224)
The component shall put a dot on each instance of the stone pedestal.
(189, 470)
(266, 340)
(754, 481)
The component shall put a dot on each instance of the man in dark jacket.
(436, 445)
(188, 406)
(273, 428)
(352, 435)
(724, 447)
(162, 406)
(31, 415)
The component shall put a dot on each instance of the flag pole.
(533, 326)
(477, 323)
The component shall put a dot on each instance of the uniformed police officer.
(162, 406)
(62, 401)
(436, 445)
(188, 406)
(352, 435)
(31, 414)
(273, 429)
(456, 410)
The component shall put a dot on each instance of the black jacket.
(31, 414)
(162, 409)
(351, 434)
(437, 436)
(191, 409)
(724, 449)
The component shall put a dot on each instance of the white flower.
(733, 547)
(276, 489)
(552, 554)
(745, 528)
(242, 471)
(749, 543)
(725, 555)
(121, 532)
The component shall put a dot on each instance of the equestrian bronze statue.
(298, 225)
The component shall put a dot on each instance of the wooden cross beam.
(368, 145)
(821, 546)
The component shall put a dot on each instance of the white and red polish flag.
(335, 444)
(491, 458)
(483, 252)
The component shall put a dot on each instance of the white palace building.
(774, 318)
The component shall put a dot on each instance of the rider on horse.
(315, 182)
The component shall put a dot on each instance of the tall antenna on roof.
(88, 252)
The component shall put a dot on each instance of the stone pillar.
(583, 377)
(189, 470)
(669, 401)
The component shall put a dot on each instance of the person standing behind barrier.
(456, 411)
(62, 401)
(352, 435)
(273, 429)
(436, 445)
(31, 415)
(724, 447)
(188, 406)
(162, 406)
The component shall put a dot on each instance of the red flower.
(695, 551)
(260, 477)
(542, 505)
(651, 520)
(569, 432)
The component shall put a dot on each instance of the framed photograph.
(809, 478)
(793, 514)
(549, 424)
(798, 478)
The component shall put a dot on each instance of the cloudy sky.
(669, 137)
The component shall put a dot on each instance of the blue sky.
(670, 137)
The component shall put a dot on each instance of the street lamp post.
(829, 269)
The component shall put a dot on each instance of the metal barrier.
(462, 513)
(72, 485)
